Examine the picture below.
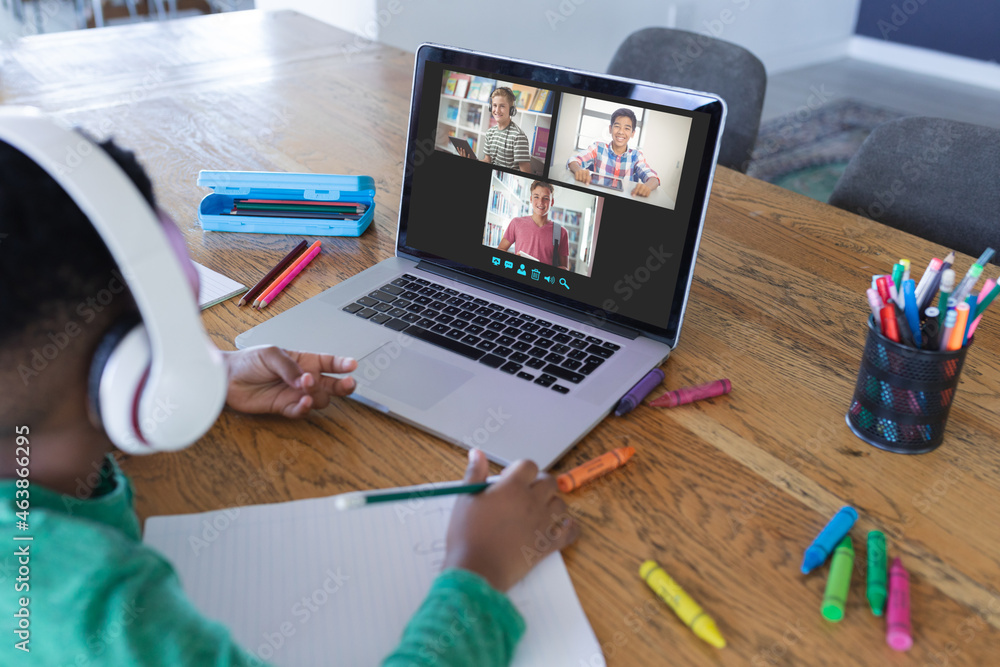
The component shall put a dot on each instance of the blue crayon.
(828, 538)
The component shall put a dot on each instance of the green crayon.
(837, 585)
(877, 592)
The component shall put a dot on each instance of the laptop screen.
(584, 190)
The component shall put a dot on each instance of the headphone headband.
(185, 387)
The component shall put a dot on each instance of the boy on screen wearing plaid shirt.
(616, 159)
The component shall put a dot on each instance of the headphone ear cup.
(513, 111)
(117, 376)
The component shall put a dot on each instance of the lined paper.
(302, 583)
(215, 287)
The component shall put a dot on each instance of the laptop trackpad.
(409, 376)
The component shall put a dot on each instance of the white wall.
(585, 33)
(357, 16)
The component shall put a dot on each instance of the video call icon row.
(535, 274)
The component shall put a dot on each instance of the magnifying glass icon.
(562, 281)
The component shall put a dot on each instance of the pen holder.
(903, 394)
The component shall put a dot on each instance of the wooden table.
(726, 493)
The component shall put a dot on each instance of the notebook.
(214, 287)
(302, 583)
(462, 336)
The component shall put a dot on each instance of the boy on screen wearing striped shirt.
(505, 144)
(616, 159)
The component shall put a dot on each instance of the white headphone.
(158, 384)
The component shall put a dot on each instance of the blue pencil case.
(227, 186)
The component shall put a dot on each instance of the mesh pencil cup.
(903, 394)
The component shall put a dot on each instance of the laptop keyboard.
(535, 350)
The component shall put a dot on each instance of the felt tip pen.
(947, 285)
(882, 285)
(639, 391)
(968, 282)
(932, 329)
(906, 269)
(949, 325)
(984, 303)
(912, 313)
(958, 332)
(875, 303)
(925, 280)
(888, 318)
(986, 297)
(897, 280)
(970, 301)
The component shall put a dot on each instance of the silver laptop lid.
(583, 190)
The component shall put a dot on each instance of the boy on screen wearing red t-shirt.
(531, 235)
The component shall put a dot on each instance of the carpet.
(807, 151)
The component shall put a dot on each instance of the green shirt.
(96, 595)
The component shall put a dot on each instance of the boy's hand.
(267, 379)
(501, 533)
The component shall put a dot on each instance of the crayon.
(898, 631)
(876, 591)
(686, 395)
(686, 608)
(602, 465)
(832, 533)
(639, 391)
(839, 581)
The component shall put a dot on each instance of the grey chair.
(692, 60)
(938, 179)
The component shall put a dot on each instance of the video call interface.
(579, 194)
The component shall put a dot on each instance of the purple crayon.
(828, 538)
(672, 399)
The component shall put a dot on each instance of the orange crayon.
(603, 464)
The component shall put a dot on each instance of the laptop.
(463, 335)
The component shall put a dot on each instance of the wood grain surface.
(725, 493)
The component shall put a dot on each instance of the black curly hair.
(51, 257)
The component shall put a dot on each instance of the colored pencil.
(291, 276)
(269, 278)
(281, 276)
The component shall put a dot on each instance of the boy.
(97, 595)
(505, 144)
(616, 159)
(532, 235)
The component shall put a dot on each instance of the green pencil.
(357, 499)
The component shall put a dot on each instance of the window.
(596, 118)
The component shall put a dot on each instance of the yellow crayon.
(686, 609)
